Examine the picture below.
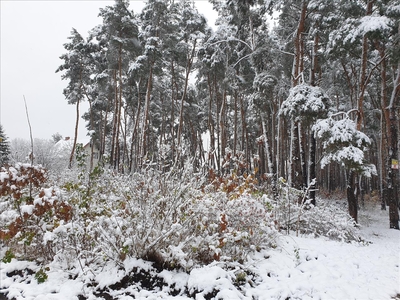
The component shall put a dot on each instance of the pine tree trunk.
(134, 139)
(119, 111)
(384, 117)
(295, 161)
(298, 63)
(235, 121)
(303, 160)
(271, 165)
(174, 92)
(115, 118)
(313, 148)
(211, 127)
(393, 181)
(182, 104)
(393, 174)
(222, 116)
(313, 141)
(351, 196)
(244, 127)
(71, 157)
(218, 125)
(143, 149)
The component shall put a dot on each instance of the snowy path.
(318, 269)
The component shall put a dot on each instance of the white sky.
(31, 40)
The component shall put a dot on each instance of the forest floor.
(300, 267)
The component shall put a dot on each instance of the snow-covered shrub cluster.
(29, 211)
(168, 219)
(177, 221)
(329, 220)
(294, 213)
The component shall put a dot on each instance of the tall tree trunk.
(235, 123)
(244, 128)
(298, 64)
(298, 68)
(384, 116)
(182, 104)
(271, 165)
(217, 124)
(303, 160)
(351, 195)
(174, 91)
(71, 157)
(115, 121)
(119, 111)
(134, 140)
(222, 121)
(360, 116)
(295, 162)
(211, 126)
(313, 141)
(143, 150)
(393, 156)
(313, 149)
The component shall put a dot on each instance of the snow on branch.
(305, 101)
(343, 143)
(368, 24)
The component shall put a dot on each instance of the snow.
(368, 24)
(305, 100)
(300, 267)
(343, 143)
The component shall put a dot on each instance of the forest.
(314, 97)
(212, 139)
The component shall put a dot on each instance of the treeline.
(319, 89)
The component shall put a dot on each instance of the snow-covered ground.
(298, 268)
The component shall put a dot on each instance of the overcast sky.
(32, 38)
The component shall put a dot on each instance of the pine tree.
(119, 34)
(4, 147)
(76, 70)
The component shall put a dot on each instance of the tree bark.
(393, 181)
(182, 104)
(298, 45)
(271, 165)
(313, 148)
(143, 150)
(351, 197)
(115, 121)
(71, 157)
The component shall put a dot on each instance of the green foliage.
(8, 256)
(41, 275)
(4, 147)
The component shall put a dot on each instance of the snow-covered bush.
(329, 220)
(29, 211)
(162, 217)
(176, 220)
(294, 213)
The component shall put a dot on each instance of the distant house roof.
(64, 146)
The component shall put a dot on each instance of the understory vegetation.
(178, 220)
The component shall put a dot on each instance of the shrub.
(170, 218)
(28, 211)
